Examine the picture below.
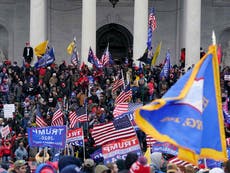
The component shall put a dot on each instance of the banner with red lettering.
(75, 137)
(119, 149)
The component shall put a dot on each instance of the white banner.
(8, 110)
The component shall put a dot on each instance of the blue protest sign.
(52, 136)
(119, 149)
(97, 156)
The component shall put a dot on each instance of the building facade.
(180, 24)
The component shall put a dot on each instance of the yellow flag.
(70, 48)
(147, 155)
(156, 54)
(40, 49)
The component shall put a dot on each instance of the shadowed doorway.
(120, 42)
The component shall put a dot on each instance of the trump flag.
(189, 115)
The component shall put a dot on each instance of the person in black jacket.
(28, 53)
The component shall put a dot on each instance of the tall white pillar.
(38, 21)
(192, 27)
(88, 35)
(140, 29)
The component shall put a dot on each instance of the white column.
(88, 35)
(192, 27)
(38, 21)
(140, 29)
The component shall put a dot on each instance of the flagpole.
(135, 134)
(83, 144)
(86, 111)
(213, 37)
(122, 75)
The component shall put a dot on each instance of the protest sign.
(97, 156)
(5, 131)
(51, 136)
(8, 110)
(75, 137)
(119, 149)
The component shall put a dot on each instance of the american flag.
(81, 114)
(152, 26)
(74, 58)
(152, 20)
(124, 96)
(120, 128)
(39, 119)
(178, 162)
(117, 83)
(57, 119)
(105, 56)
(72, 119)
(150, 141)
(121, 108)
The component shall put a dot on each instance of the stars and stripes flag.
(178, 162)
(152, 19)
(152, 25)
(74, 58)
(105, 56)
(121, 108)
(79, 115)
(72, 119)
(120, 128)
(150, 141)
(124, 96)
(39, 119)
(57, 119)
(117, 84)
(82, 114)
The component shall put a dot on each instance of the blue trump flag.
(189, 115)
(166, 68)
(47, 59)
(51, 136)
(93, 59)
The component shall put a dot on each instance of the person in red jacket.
(140, 166)
(1, 152)
(7, 151)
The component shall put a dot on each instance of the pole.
(213, 38)
(122, 76)
(83, 145)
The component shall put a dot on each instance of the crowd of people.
(71, 86)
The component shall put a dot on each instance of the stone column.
(38, 21)
(192, 27)
(140, 29)
(88, 35)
